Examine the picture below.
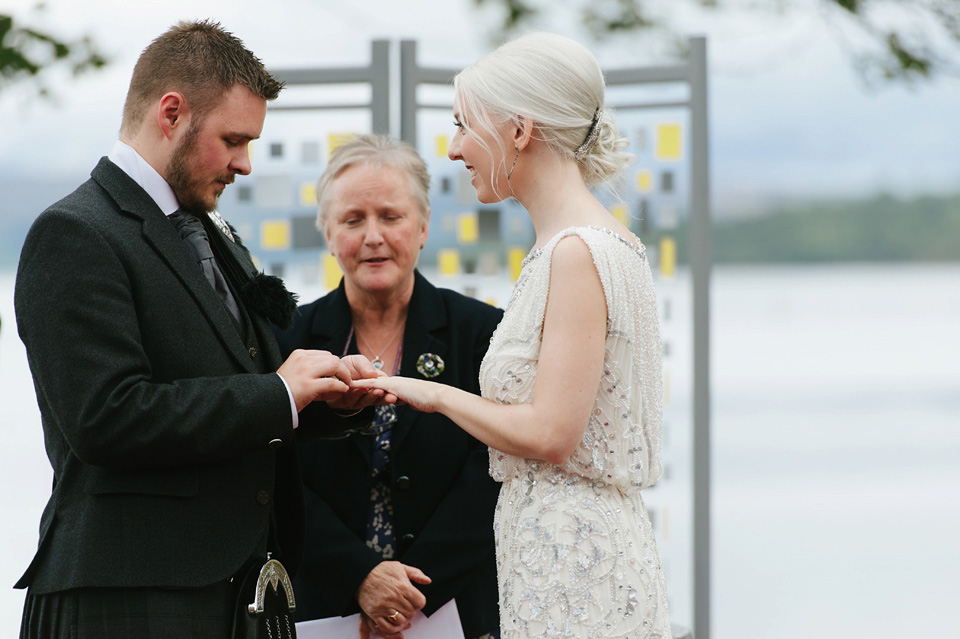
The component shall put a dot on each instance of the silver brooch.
(430, 365)
(221, 224)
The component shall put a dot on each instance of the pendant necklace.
(376, 361)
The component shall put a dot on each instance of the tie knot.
(192, 232)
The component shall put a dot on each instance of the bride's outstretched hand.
(420, 394)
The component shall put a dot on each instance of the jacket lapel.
(329, 329)
(160, 234)
(261, 325)
(426, 316)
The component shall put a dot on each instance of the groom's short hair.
(200, 60)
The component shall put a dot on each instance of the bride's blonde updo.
(557, 84)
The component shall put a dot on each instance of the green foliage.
(879, 229)
(25, 53)
(902, 41)
(516, 12)
(615, 16)
(905, 61)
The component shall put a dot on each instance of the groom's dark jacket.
(169, 433)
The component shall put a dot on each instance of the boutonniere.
(430, 365)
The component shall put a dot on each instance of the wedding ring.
(393, 617)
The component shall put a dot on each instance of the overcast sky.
(788, 116)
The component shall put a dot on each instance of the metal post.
(701, 258)
(412, 76)
(380, 87)
(408, 91)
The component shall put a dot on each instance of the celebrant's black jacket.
(169, 433)
(443, 496)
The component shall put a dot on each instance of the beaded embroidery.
(575, 550)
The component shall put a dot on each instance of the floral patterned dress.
(576, 556)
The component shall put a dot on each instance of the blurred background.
(835, 290)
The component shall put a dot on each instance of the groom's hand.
(356, 398)
(315, 375)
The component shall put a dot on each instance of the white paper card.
(443, 624)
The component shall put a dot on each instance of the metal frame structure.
(376, 74)
(692, 73)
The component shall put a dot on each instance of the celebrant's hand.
(360, 367)
(370, 630)
(357, 399)
(389, 599)
(418, 393)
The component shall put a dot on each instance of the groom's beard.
(184, 175)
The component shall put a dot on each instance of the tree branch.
(26, 53)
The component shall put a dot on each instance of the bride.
(571, 383)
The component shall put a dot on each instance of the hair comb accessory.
(591, 140)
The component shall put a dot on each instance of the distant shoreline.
(882, 228)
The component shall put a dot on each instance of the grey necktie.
(192, 232)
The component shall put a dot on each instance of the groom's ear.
(172, 113)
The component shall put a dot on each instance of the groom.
(168, 415)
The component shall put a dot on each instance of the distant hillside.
(882, 228)
(877, 229)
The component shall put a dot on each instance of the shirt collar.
(131, 163)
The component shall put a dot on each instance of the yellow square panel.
(338, 139)
(308, 194)
(331, 272)
(644, 180)
(669, 142)
(468, 228)
(668, 256)
(448, 261)
(620, 212)
(275, 235)
(443, 143)
(515, 255)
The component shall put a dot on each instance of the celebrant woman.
(400, 520)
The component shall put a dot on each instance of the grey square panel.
(488, 221)
(466, 194)
(310, 153)
(305, 233)
(274, 191)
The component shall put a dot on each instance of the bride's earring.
(514, 165)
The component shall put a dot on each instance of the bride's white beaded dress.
(576, 555)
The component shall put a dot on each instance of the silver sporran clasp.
(272, 574)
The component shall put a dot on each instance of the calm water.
(836, 408)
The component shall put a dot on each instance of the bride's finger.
(374, 382)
